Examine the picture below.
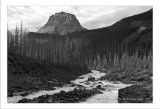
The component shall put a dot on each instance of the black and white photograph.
(79, 54)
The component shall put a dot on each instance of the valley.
(65, 63)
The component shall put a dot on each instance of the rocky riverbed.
(87, 88)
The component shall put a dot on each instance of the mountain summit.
(61, 23)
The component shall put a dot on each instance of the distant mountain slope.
(61, 23)
(129, 34)
(136, 20)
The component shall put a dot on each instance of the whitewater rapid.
(109, 95)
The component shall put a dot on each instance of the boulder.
(91, 78)
(135, 94)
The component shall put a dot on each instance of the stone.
(135, 94)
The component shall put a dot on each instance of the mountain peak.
(61, 23)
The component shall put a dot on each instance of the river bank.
(26, 76)
(106, 91)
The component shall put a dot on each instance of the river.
(110, 92)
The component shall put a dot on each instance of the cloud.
(115, 14)
(90, 17)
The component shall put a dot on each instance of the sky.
(90, 17)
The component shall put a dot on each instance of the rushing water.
(110, 94)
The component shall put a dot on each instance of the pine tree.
(23, 41)
(16, 36)
(99, 63)
(8, 37)
(116, 63)
(21, 31)
(104, 62)
(21, 38)
(94, 64)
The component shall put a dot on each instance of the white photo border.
(156, 52)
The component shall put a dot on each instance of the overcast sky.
(90, 17)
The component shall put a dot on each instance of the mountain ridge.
(61, 23)
(131, 34)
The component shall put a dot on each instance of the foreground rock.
(136, 94)
(74, 96)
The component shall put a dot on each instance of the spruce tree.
(16, 37)
(99, 63)
(104, 62)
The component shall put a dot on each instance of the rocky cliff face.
(61, 23)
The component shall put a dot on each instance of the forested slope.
(132, 34)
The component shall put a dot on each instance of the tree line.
(16, 41)
(94, 48)
(78, 51)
